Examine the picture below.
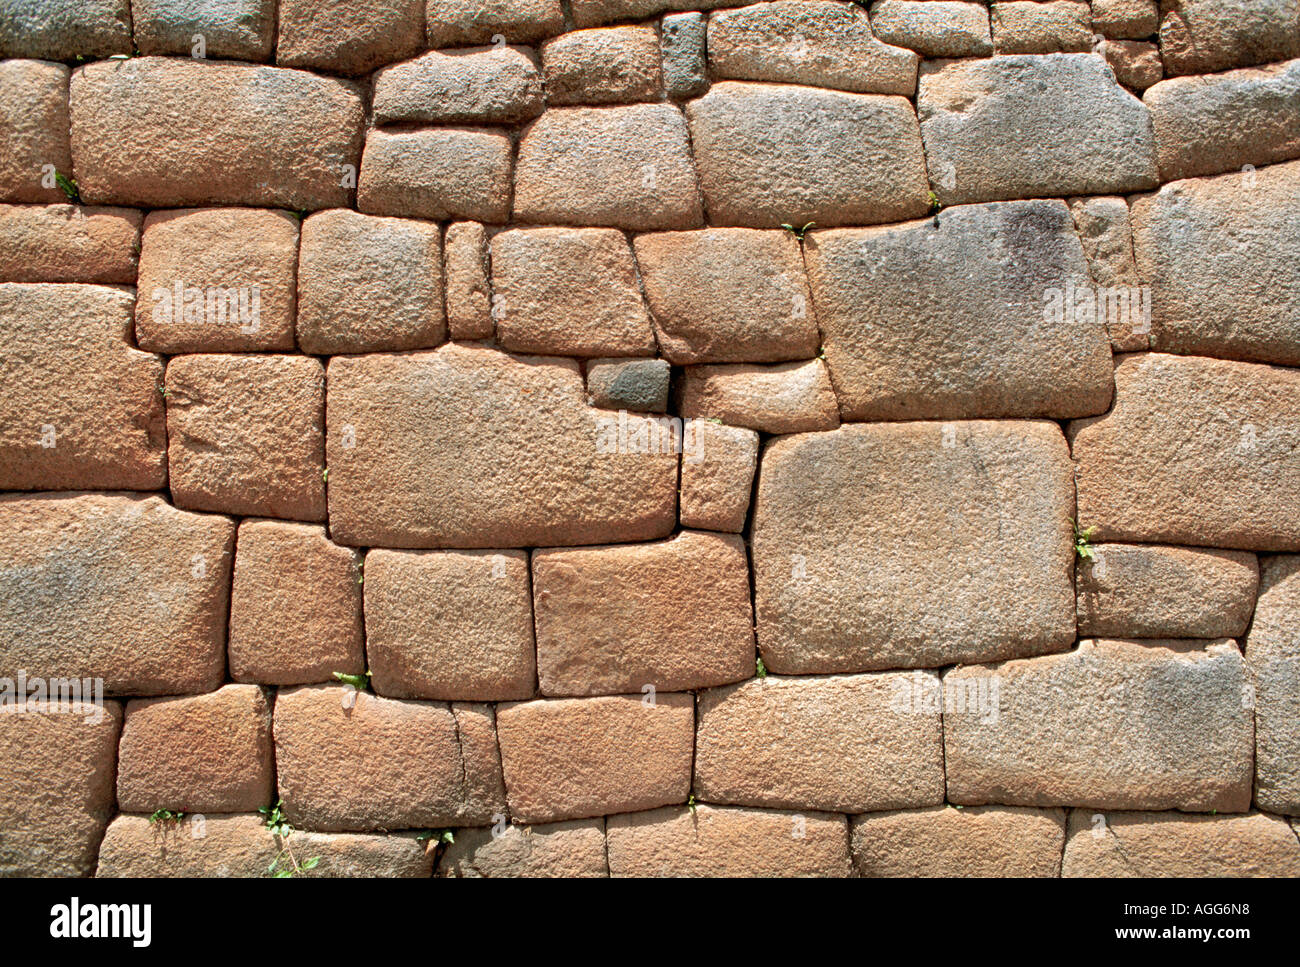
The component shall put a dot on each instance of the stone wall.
(587, 438)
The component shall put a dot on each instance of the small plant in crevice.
(274, 819)
(69, 186)
(1082, 540)
(760, 669)
(439, 837)
(359, 682)
(798, 233)
(691, 802)
(175, 816)
(935, 204)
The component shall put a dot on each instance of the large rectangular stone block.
(982, 841)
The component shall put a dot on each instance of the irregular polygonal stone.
(673, 615)
(1273, 654)
(1204, 36)
(450, 624)
(1126, 19)
(68, 243)
(470, 447)
(685, 68)
(934, 28)
(998, 340)
(80, 407)
(840, 743)
(575, 848)
(1111, 725)
(369, 284)
(1136, 64)
(593, 13)
(785, 398)
(348, 38)
(779, 154)
(1041, 26)
(578, 757)
(719, 841)
(252, 135)
(985, 841)
(1102, 224)
(238, 29)
(723, 295)
(457, 22)
(973, 562)
(629, 384)
(481, 85)
(245, 435)
(127, 589)
(1151, 844)
(34, 126)
(436, 174)
(58, 785)
(200, 754)
(627, 166)
(808, 42)
(1205, 125)
(217, 280)
(1147, 591)
(349, 760)
(613, 65)
(295, 606)
(65, 29)
(1195, 451)
(568, 292)
(1025, 126)
(717, 485)
(468, 292)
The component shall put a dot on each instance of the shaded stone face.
(1273, 654)
(614, 65)
(59, 30)
(239, 29)
(982, 841)
(1205, 36)
(573, 848)
(481, 85)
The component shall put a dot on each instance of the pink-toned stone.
(1041, 26)
(451, 23)
(34, 127)
(785, 398)
(943, 841)
(479, 85)
(1205, 36)
(1273, 655)
(68, 243)
(573, 848)
(348, 38)
(716, 486)
(1136, 64)
(436, 173)
(612, 65)
(468, 291)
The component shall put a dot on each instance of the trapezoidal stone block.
(436, 173)
(69, 243)
(479, 85)
(942, 841)
(1205, 36)
(1273, 654)
(348, 38)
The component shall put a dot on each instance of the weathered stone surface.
(1024, 126)
(68, 243)
(1126, 19)
(470, 447)
(1273, 655)
(1110, 725)
(1136, 64)
(481, 85)
(985, 841)
(611, 65)
(1034, 27)
(245, 435)
(785, 398)
(80, 407)
(772, 154)
(1146, 844)
(1000, 337)
(579, 757)
(350, 760)
(839, 743)
(200, 754)
(468, 291)
(238, 29)
(719, 841)
(295, 606)
(1102, 223)
(128, 589)
(568, 292)
(971, 562)
(439, 174)
(1204, 36)
(685, 67)
(450, 624)
(1206, 125)
(242, 140)
(1194, 451)
(934, 28)
(808, 42)
(457, 22)
(728, 295)
(58, 786)
(348, 38)
(575, 848)
(592, 13)
(629, 167)
(672, 615)
(34, 126)
(65, 29)
(1147, 591)
(369, 284)
(716, 486)
(629, 384)
(217, 280)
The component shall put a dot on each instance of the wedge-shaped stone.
(716, 486)
(934, 28)
(1147, 844)
(449, 23)
(1204, 36)
(65, 29)
(673, 615)
(438, 174)
(1273, 653)
(80, 407)
(470, 447)
(481, 85)
(68, 243)
(682, 37)
(1026, 126)
(1103, 226)
(238, 29)
(1136, 64)
(159, 132)
(127, 589)
(1036, 27)
(842, 743)
(348, 38)
(721, 841)
(579, 757)
(614, 65)
(779, 154)
(34, 126)
(969, 318)
(1195, 451)
(970, 563)
(1111, 725)
(574, 848)
(628, 166)
(985, 841)
(349, 760)
(785, 398)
